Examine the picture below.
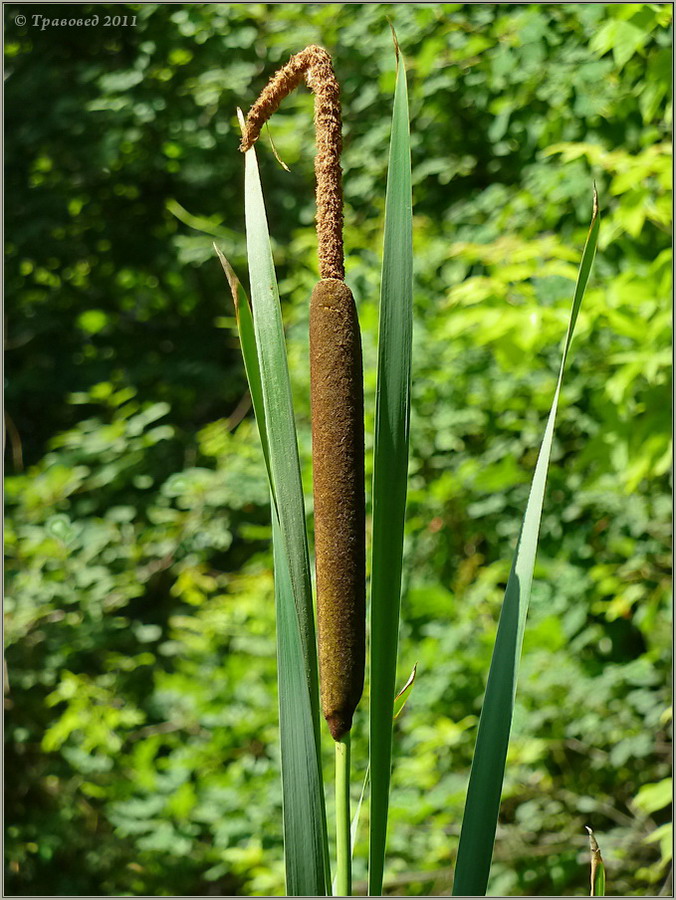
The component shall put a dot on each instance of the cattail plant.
(338, 480)
(337, 400)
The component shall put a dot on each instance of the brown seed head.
(338, 474)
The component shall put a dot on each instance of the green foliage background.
(141, 732)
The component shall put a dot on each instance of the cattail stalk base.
(343, 848)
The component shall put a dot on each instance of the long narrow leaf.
(598, 869)
(401, 699)
(247, 340)
(305, 832)
(305, 840)
(284, 461)
(482, 806)
(390, 466)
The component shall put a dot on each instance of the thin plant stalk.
(343, 837)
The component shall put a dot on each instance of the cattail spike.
(338, 473)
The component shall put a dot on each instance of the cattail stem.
(343, 848)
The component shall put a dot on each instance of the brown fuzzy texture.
(338, 472)
(314, 66)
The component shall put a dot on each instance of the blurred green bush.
(139, 624)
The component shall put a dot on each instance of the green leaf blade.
(390, 467)
(401, 699)
(247, 340)
(305, 838)
(279, 418)
(304, 812)
(598, 869)
(482, 805)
